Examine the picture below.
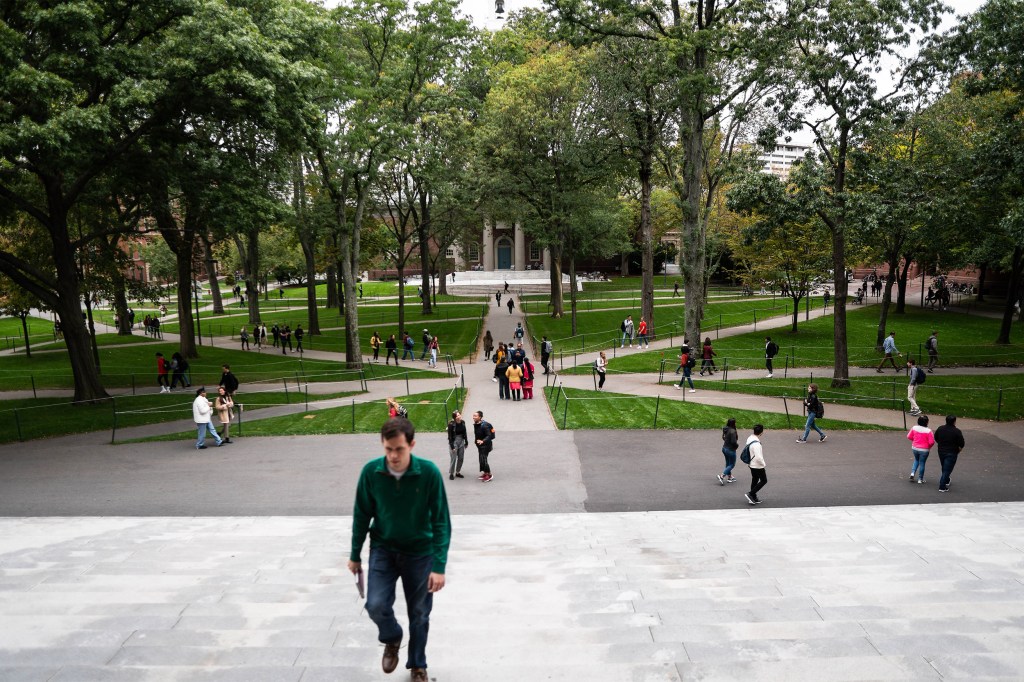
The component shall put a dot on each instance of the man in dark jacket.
(483, 434)
(401, 503)
(949, 441)
(228, 380)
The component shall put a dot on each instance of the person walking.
(178, 367)
(546, 348)
(506, 286)
(224, 404)
(932, 346)
(228, 380)
(528, 376)
(519, 332)
(758, 474)
(949, 441)
(890, 349)
(627, 331)
(687, 361)
(501, 370)
(601, 365)
(299, 334)
(483, 436)
(771, 349)
(244, 336)
(286, 339)
(276, 332)
(488, 345)
(511, 305)
(202, 410)
(426, 344)
(826, 296)
(401, 504)
(162, 367)
(375, 346)
(262, 339)
(515, 381)
(916, 379)
(434, 348)
(641, 334)
(408, 348)
(457, 440)
(814, 410)
(675, 290)
(392, 349)
(497, 298)
(730, 441)
(921, 441)
(707, 357)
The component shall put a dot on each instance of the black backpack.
(930, 343)
(622, 327)
(691, 361)
(819, 409)
(402, 412)
(745, 454)
(921, 376)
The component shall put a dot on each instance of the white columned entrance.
(546, 259)
(520, 248)
(488, 246)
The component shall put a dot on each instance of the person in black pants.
(504, 391)
(771, 349)
(392, 349)
(483, 435)
(758, 475)
(949, 441)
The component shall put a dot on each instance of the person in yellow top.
(498, 355)
(515, 380)
(375, 345)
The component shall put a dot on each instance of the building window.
(473, 253)
(534, 251)
(449, 252)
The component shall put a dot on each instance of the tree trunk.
(251, 281)
(841, 359)
(693, 257)
(211, 276)
(353, 354)
(332, 286)
(557, 299)
(124, 326)
(901, 286)
(647, 245)
(24, 330)
(624, 264)
(442, 276)
(401, 297)
(983, 271)
(340, 293)
(796, 311)
(423, 234)
(186, 324)
(1016, 264)
(572, 282)
(312, 310)
(92, 333)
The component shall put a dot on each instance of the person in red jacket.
(161, 374)
(641, 334)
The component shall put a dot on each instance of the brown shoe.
(390, 660)
(419, 675)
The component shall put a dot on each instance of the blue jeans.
(686, 378)
(948, 462)
(626, 336)
(730, 461)
(202, 430)
(811, 425)
(385, 569)
(919, 459)
(406, 352)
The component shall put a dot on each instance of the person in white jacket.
(202, 411)
(758, 476)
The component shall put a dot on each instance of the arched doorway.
(504, 249)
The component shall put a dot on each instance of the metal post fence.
(565, 414)
(353, 415)
(999, 408)
(286, 398)
(33, 378)
(657, 406)
(407, 391)
(113, 430)
(785, 405)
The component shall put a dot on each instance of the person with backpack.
(687, 360)
(375, 346)
(627, 331)
(519, 333)
(601, 366)
(546, 349)
(815, 410)
(932, 346)
(730, 441)
(510, 304)
(426, 344)
(771, 349)
(408, 346)
(917, 377)
(178, 365)
(483, 436)
(501, 368)
(228, 380)
(753, 456)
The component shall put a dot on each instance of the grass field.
(964, 396)
(593, 410)
(45, 417)
(430, 412)
(601, 328)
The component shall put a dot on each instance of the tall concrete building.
(780, 161)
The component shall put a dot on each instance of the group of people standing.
(431, 348)
(513, 371)
(281, 337)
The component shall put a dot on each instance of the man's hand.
(355, 566)
(479, 442)
(435, 581)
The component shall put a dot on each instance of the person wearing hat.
(202, 411)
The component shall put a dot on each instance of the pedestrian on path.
(263, 335)
(519, 332)
(392, 348)
(528, 376)
(675, 290)
(601, 365)
(949, 441)
(488, 345)
(890, 349)
(546, 348)
(730, 441)
(202, 410)
(826, 296)
(497, 298)
(515, 381)
(299, 334)
(627, 331)
(641, 334)
(932, 346)
(178, 367)
(687, 361)
(917, 378)
(707, 357)
(408, 348)
(921, 441)
(224, 404)
(506, 286)
(426, 344)
(501, 370)
(814, 410)
(286, 339)
(161, 373)
(244, 336)
(434, 348)
(483, 436)
(457, 440)
(276, 332)
(401, 503)
(758, 474)
(771, 349)
(375, 346)
(228, 380)
(511, 305)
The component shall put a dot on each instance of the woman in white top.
(758, 476)
(602, 365)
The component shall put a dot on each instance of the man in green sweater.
(401, 502)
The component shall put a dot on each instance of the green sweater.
(407, 515)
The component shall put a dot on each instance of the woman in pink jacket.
(921, 441)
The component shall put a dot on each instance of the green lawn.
(45, 417)
(101, 340)
(964, 396)
(593, 410)
(599, 329)
(430, 412)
